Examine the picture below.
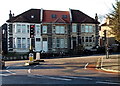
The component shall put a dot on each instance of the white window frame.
(60, 29)
(74, 28)
(44, 29)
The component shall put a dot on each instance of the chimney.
(10, 15)
(96, 17)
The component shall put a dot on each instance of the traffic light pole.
(106, 44)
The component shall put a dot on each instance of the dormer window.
(64, 16)
(53, 16)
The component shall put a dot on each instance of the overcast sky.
(90, 7)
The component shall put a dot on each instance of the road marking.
(7, 67)
(86, 78)
(49, 77)
(70, 77)
(86, 66)
(107, 82)
(29, 70)
(5, 74)
(10, 72)
(59, 78)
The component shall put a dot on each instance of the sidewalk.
(112, 64)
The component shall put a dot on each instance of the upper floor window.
(74, 28)
(64, 16)
(87, 28)
(83, 28)
(44, 29)
(28, 28)
(60, 29)
(18, 28)
(53, 16)
(37, 29)
(23, 28)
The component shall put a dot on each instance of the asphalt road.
(61, 71)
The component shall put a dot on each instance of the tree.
(114, 17)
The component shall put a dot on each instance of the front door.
(38, 44)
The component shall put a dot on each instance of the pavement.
(112, 64)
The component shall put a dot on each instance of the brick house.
(54, 31)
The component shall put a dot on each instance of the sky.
(89, 7)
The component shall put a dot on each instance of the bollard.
(31, 57)
(37, 56)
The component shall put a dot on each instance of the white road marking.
(10, 72)
(49, 77)
(29, 70)
(59, 78)
(7, 67)
(70, 77)
(86, 66)
(86, 78)
(107, 82)
(5, 74)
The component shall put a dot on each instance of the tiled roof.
(47, 16)
(80, 17)
(34, 16)
(30, 16)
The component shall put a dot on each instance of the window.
(90, 28)
(86, 39)
(58, 43)
(14, 45)
(44, 39)
(74, 28)
(53, 16)
(37, 29)
(18, 28)
(60, 29)
(23, 43)
(23, 28)
(64, 16)
(18, 42)
(86, 28)
(61, 42)
(65, 43)
(38, 39)
(54, 43)
(28, 42)
(83, 28)
(90, 39)
(82, 39)
(28, 28)
(44, 29)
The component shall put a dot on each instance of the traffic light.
(32, 28)
(104, 34)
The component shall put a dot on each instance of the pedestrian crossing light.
(32, 27)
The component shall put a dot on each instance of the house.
(84, 30)
(54, 31)
(55, 26)
(110, 37)
(112, 43)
